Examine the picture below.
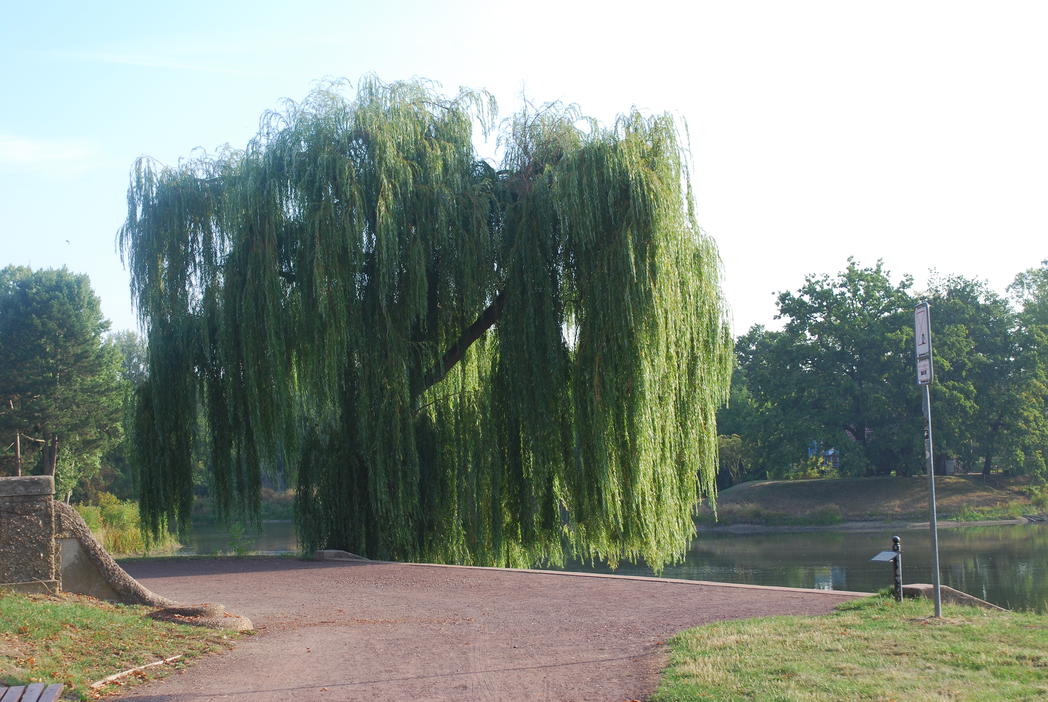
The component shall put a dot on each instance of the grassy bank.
(871, 649)
(826, 502)
(77, 640)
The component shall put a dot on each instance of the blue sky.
(916, 132)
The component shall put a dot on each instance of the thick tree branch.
(457, 350)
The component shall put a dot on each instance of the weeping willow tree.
(465, 364)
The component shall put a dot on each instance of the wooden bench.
(36, 692)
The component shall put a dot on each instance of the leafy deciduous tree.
(117, 475)
(838, 374)
(993, 394)
(841, 374)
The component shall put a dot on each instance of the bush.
(92, 516)
(115, 524)
(1039, 496)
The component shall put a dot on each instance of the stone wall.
(28, 555)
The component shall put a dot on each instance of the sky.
(914, 132)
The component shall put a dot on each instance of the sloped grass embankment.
(78, 640)
(833, 501)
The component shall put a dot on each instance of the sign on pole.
(924, 371)
(922, 329)
(922, 332)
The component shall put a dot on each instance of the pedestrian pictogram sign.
(922, 334)
(922, 330)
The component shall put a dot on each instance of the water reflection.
(1007, 565)
(270, 537)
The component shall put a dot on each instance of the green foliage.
(811, 468)
(1002, 510)
(117, 474)
(1039, 497)
(116, 524)
(840, 374)
(465, 364)
(732, 460)
(92, 516)
(992, 385)
(59, 383)
(237, 541)
(1030, 291)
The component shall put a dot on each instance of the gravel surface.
(391, 631)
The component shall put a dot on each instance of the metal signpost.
(922, 328)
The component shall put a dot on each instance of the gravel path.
(390, 631)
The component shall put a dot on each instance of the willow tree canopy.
(466, 364)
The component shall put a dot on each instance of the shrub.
(115, 524)
(1039, 496)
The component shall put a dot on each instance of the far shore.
(871, 525)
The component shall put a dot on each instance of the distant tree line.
(834, 391)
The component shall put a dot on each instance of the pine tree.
(59, 381)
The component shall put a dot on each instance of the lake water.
(1006, 565)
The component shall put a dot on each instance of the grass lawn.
(77, 640)
(868, 649)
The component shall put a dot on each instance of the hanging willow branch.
(356, 294)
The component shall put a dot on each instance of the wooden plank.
(32, 692)
(12, 694)
(51, 693)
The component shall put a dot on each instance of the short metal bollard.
(895, 556)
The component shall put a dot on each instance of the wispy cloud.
(231, 55)
(23, 152)
(142, 60)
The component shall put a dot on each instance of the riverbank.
(857, 526)
(876, 503)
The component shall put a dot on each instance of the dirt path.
(385, 631)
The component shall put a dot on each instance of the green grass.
(868, 649)
(968, 513)
(77, 640)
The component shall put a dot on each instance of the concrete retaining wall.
(28, 554)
